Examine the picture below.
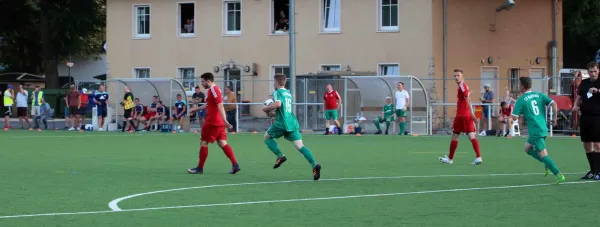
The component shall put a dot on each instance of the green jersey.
(533, 107)
(388, 110)
(285, 115)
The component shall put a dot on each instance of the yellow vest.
(7, 100)
(39, 98)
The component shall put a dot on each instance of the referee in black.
(588, 101)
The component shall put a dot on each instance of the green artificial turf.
(366, 181)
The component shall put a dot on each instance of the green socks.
(308, 155)
(550, 165)
(272, 145)
(387, 125)
(376, 122)
(534, 155)
(402, 127)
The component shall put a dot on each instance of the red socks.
(229, 153)
(203, 156)
(475, 144)
(453, 146)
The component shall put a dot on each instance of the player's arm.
(339, 99)
(194, 109)
(549, 102)
(275, 105)
(517, 111)
(407, 101)
(79, 106)
(66, 100)
(577, 103)
(222, 113)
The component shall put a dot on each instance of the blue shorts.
(201, 113)
(67, 113)
(102, 111)
(182, 115)
(486, 112)
(83, 111)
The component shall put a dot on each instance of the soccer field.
(113, 179)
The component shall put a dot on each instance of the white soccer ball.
(268, 102)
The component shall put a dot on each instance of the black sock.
(326, 130)
(132, 125)
(596, 162)
(124, 125)
(590, 158)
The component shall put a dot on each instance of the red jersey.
(214, 96)
(507, 111)
(463, 108)
(331, 100)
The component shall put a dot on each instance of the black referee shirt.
(589, 106)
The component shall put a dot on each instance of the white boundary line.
(293, 200)
(117, 209)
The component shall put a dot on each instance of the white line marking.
(87, 135)
(113, 205)
(294, 200)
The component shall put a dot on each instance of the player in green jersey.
(286, 125)
(532, 105)
(387, 116)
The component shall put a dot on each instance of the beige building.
(183, 39)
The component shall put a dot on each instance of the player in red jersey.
(464, 121)
(214, 125)
(505, 119)
(332, 102)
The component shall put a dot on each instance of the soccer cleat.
(546, 172)
(235, 169)
(317, 172)
(588, 176)
(196, 170)
(378, 132)
(477, 161)
(597, 177)
(560, 178)
(279, 161)
(446, 160)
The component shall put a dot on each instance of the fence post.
(305, 106)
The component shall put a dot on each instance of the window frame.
(272, 20)
(224, 20)
(322, 27)
(135, 70)
(380, 27)
(272, 72)
(380, 65)
(135, 23)
(180, 76)
(323, 66)
(179, 27)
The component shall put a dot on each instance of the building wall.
(521, 35)
(85, 69)
(359, 45)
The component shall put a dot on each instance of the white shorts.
(35, 110)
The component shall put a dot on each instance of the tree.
(35, 35)
(581, 20)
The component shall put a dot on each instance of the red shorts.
(463, 124)
(147, 116)
(212, 133)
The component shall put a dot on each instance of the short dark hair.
(159, 102)
(458, 71)
(197, 87)
(502, 103)
(137, 99)
(280, 78)
(155, 96)
(208, 76)
(401, 83)
(525, 82)
(592, 65)
(178, 95)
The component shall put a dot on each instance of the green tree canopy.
(581, 31)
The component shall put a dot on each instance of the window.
(233, 17)
(389, 70)
(328, 68)
(188, 79)
(142, 73)
(514, 80)
(388, 15)
(282, 69)
(330, 16)
(186, 19)
(142, 21)
(279, 16)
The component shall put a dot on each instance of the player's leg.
(202, 156)
(388, 123)
(377, 122)
(296, 139)
(539, 145)
(501, 122)
(334, 115)
(596, 156)
(449, 159)
(475, 144)
(221, 136)
(326, 115)
(270, 135)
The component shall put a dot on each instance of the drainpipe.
(445, 62)
(554, 48)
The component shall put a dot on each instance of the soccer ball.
(268, 102)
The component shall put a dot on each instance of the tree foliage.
(581, 31)
(37, 34)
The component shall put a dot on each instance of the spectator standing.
(83, 107)
(199, 99)
(402, 102)
(36, 98)
(45, 113)
(22, 106)
(487, 98)
(9, 96)
(101, 100)
(73, 101)
(588, 101)
(231, 108)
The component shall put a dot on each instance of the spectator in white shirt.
(402, 102)
(22, 106)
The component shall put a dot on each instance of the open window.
(186, 19)
(142, 21)
(389, 70)
(330, 16)
(330, 68)
(279, 16)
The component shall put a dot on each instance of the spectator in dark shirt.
(588, 101)
(73, 101)
(198, 99)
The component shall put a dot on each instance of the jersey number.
(536, 110)
(288, 105)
